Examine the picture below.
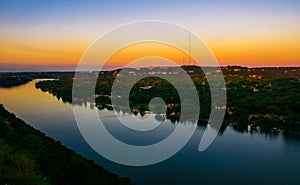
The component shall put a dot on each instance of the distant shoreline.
(4, 70)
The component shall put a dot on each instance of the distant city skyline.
(53, 35)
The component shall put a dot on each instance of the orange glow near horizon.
(246, 33)
(37, 53)
(255, 51)
(138, 51)
(263, 50)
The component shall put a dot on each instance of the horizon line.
(112, 68)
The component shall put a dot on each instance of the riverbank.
(27, 156)
(265, 99)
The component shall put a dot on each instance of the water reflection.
(31, 105)
(235, 157)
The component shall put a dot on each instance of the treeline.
(27, 156)
(8, 80)
(263, 97)
(60, 88)
(268, 104)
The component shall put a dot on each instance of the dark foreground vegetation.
(264, 99)
(28, 157)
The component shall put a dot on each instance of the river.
(233, 158)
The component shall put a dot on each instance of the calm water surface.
(233, 158)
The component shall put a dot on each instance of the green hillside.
(27, 156)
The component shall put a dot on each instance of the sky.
(53, 35)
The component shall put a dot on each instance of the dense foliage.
(264, 97)
(14, 79)
(27, 156)
(8, 81)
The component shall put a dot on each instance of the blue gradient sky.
(53, 33)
